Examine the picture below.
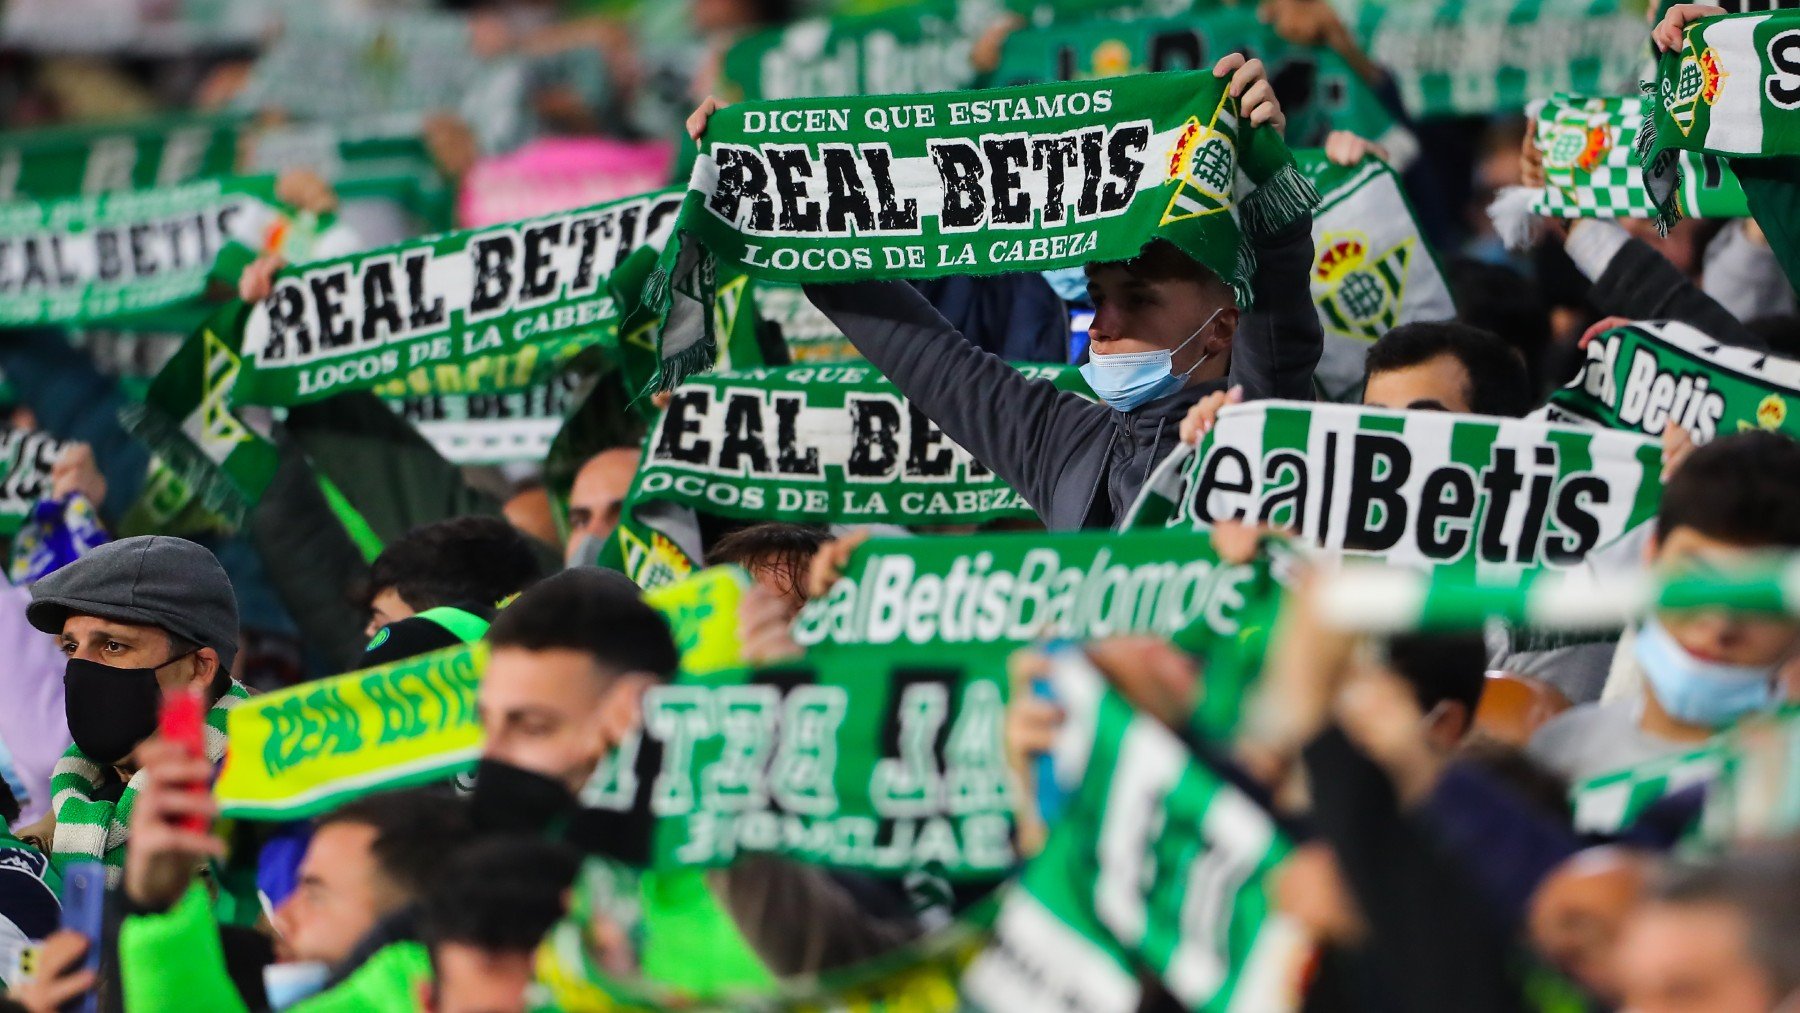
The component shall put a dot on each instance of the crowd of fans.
(1440, 864)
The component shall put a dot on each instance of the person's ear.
(1223, 329)
(1652, 545)
(622, 710)
(206, 666)
(1447, 723)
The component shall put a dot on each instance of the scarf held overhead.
(1029, 178)
(802, 444)
(473, 312)
(1643, 376)
(1412, 487)
(1592, 167)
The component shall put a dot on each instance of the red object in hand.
(183, 722)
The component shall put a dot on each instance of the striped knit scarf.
(88, 829)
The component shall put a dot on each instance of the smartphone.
(84, 911)
(183, 722)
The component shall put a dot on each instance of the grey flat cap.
(152, 580)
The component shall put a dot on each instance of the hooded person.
(140, 620)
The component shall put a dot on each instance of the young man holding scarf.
(1166, 333)
(141, 620)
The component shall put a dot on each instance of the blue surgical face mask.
(287, 984)
(1129, 380)
(1070, 284)
(1698, 692)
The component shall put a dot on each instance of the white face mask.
(287, 984)
(1129, 380)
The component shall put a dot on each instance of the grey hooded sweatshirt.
(1078, 463)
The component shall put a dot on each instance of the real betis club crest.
(1359, 290)
(653, 561)
(1203, 166)
(212, 426)
(1697, 81)
(1578, 144)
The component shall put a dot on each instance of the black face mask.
(509, 799)
(110, 710)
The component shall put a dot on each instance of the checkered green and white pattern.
(1592, 167)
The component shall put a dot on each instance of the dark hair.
(594, 611)
(1780, 333)
(1526, 779)
(1740, 488)
(500, 894)
(411, 831)
(1441, 666)
(786, 550)
(1161, 260)
(1760, 882)
(1498, 382)
(9, 804)
(481, 559)
(1500, 300)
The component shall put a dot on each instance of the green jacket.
(174, 962)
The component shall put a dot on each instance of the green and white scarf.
(1475, 493)
(1642, 376)
(1322, 92)
(117, 256)
(811, 338)
(91, 830)
(217, 457)
(1160, 864)
(920, 48)
(879, 750)
(493, 428)
(1372, 269)
(472, 312)
(1731, 89)
(1592, 168)
(332, 67)
(971, 183)
(803, 444)
(158, 151)
(1479, 57)
(1611, 802)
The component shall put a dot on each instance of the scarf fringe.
(214, 489)
(1277, 202)
(1668, 205)
(1514, 222)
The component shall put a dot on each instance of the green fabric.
(465, 626)
(174, 961)
(682, 918)
(51, 877)
(820, 445)
(89, 829)
(187, 420)
(919, 48)
(1476, 495)
(367, 542)
(879, 748)
(1372, 269)
(1642, 376)
(471, 312)
(968, 183)
(1610, 803)
(1480, 57)
(1731, 89)
(123, 256)
(26, 457)
(1329, 95)
(390, 979)
(1159, 865)
(67, 161)
(1592, 167)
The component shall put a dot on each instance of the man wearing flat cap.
(139, 619)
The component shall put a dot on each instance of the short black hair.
(1498, 381)
(1741, 488)
(9, 804)
(597, 612)
(786, 550)
(462, 559)
(1441, 666)
(499, 893)
(411, 828)
(1506, 303)
(1780, 333)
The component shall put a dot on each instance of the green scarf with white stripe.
(89, 829)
